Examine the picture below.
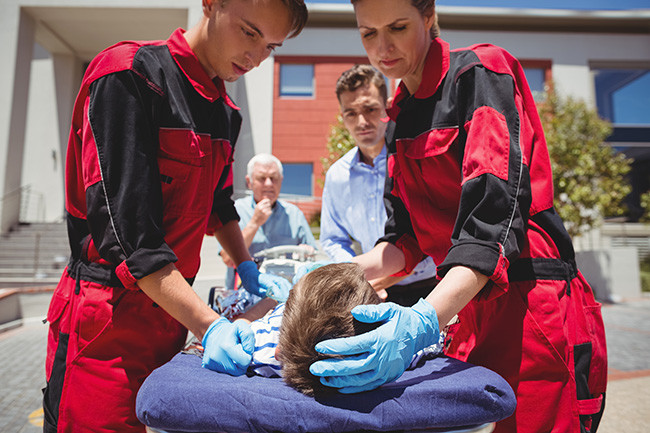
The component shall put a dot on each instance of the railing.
(31, 204)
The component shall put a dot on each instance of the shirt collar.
(436, 66)
(211, 89)
(356, 161)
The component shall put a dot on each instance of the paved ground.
(22, 355)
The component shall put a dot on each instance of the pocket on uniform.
(431, 143)
(59, 302)
(96, 311)
(181, 159)
(431, 173)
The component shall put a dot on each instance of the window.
(536, 78)
(296, 80)
(298, 179)
(623, 98)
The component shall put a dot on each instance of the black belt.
(99, 274)
(528, 269)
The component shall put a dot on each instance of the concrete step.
(10, 311)
(30, 269)
(15, 283)
(27, 248)
(19, 262)
(33, 254)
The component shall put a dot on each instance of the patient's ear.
(277, 353)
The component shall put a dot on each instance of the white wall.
(43, 164)
(571, 53)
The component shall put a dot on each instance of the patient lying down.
(318, 308)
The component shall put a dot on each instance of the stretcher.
(443, 394)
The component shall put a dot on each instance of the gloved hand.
(381, 355)
(228, 347)
(263, 285)
(307, 267)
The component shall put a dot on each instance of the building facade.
(288, 103)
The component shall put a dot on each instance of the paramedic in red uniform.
(148, 175)
(469, 184)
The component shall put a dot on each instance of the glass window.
(296, 80)
(298, 179)
(536, 78)
(623, 96)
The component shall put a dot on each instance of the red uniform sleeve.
(124, 198)
(495, 198)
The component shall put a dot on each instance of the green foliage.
(645, 205)
(645, 274)
(589, 176)
(338, 143)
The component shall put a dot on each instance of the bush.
(339, 143)
(644, 267)
(589, 176)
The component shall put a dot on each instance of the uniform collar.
(436, 66)
(211, 89)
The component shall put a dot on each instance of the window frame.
(285, 165)
(544, 64)
(313, 79)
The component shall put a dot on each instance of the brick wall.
(301, 125)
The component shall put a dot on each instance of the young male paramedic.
(148, 174)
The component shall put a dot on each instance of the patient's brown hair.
(318, 308)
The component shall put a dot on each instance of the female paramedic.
(469, 184)
(148, 174)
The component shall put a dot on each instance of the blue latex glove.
(381, 355)
(263, 285)
(228, 347)
(307, 267)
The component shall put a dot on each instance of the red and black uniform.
(470, 185)
(148, 174)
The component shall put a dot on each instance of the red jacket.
(469, 172)
(149, 162)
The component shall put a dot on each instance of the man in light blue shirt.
(265, 220)
(353, 205)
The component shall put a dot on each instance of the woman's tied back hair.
(426, 8)
(318, 309)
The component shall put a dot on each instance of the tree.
(589, 176)
(645, 205)
(338, 143)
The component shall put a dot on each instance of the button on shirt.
(353, 208)
(286, 226)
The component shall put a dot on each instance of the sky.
(539, 4)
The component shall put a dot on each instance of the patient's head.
(318, 309)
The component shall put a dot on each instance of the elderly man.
(266, 221)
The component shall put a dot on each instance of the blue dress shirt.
(353, 208)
